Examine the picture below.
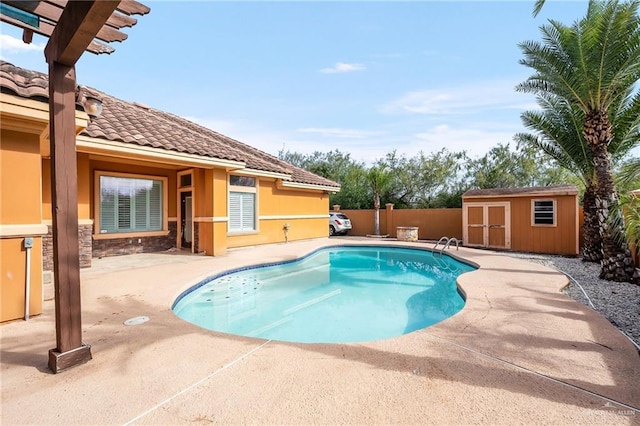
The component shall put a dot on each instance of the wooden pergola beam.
(78, 25)
(46, 29)
(52, 13)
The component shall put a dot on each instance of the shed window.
(544, 212)
(130, 204)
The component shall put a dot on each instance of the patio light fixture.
(92, 106)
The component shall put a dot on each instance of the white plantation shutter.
(248, 211)
(155, 206)
(141, 201)
(235, 211)
(124, 205)
(108, 201)
(130, 205)
(242, 211)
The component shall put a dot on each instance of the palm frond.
(538, 7)
(630, 173)
(626, 220)
(625, 117)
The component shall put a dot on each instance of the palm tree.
(558, 126)
(379, 180)
(592, 65)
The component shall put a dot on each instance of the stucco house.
(148, 180)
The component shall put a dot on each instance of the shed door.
(475, 226)
(487, 224)
(497, 227)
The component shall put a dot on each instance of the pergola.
(73, 27)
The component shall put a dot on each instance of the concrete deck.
(520, 352)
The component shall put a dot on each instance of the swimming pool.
(337, 294)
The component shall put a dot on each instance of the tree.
(592, 65)
(503, 168)
(339, 167)
(379, 179)
(423, 180)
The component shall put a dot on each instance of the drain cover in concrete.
(136, 321)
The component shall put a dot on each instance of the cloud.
(342, 67)
(476, 97)
(333, 132)
(9, 44)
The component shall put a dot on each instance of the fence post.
(389, 225)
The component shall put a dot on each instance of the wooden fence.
(432, 223)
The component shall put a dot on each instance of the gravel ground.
(618, 302)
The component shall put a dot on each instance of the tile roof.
(137, 124)
(532, 190)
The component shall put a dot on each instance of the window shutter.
(124, 204)
(155, 206)
(235, 210)
(107, 205)
(141, 201)
(248, 211)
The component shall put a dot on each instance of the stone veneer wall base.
(132, 245)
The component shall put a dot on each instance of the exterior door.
(187, 218)
(475, 226)
(487, 225)
(496, 227)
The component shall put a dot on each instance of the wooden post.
(70, 349)
(78, 25)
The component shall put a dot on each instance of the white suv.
(339, 223)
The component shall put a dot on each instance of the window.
(185, 180)
(242, 181)
(242, 203)
(129, 204)
(544, 212)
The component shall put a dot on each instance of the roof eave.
(309, 186)
(525, 194)
(91, 145)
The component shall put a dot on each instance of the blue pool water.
(338, 294)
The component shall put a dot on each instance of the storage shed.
(535, 219)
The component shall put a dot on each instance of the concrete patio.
(520, 352)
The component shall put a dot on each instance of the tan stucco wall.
(210, 189)
(20, 178)
(14, 273)
(306, 212)
(20, 209)
(84, 189)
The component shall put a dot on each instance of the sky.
(365, 78)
